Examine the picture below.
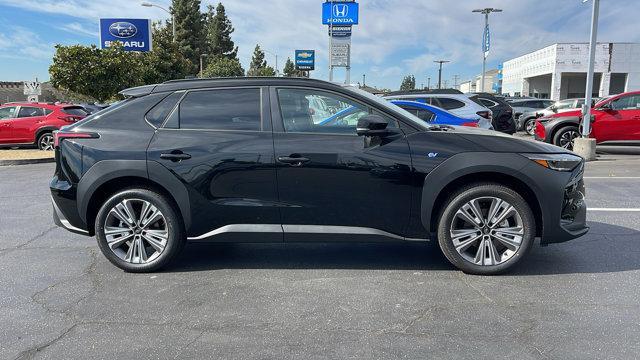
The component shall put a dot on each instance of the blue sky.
(394, 37)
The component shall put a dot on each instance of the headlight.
(559, 162)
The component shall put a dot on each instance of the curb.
(26, 161)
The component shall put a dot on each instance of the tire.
(565, 137)
(45, 141)
(489, 239)
(134, 246)
(529, 126)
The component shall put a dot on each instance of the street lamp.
(440, 71)
(486, 12)
(201, 57)
(276, 55)
(173, 19)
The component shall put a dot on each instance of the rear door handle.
(293, 160)
(175, 156)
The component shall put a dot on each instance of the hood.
(574, 112)
(499, 142)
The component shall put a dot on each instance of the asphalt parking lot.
(60, 298)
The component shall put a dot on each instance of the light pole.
(276, 56)
(173, 19)
(428, 82)
(486, 41)
(586, 118)
(201, 57)
(440, 71)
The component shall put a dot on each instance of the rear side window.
(47, 111)
(75, 110)
(224, 109)
(159, 113)
(450, 104)
(29, 111)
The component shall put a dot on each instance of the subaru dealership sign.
(305, 59)
(134, 34)
(340, 13)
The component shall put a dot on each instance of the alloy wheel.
(530, 127)
(136, 231)
(46, 142)
(567, 138)
(487, 231)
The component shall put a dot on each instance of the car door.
(330, 180)
(7, 115)
(219, 143)
(25, 123)
(619, 121)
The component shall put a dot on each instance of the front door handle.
(175, 155)
(293, 160)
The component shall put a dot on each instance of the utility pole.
(364, 77)
(485, 40)
(440, 71)
(428, 83)
(455, 81)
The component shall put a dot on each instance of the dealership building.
(559, 71)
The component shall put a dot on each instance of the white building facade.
(559, 71)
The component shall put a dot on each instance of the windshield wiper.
(440, 127)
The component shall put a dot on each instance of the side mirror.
(372, 125)
(554, 108)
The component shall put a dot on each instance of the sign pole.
(484, 53)
(586, 118)
(331, 43)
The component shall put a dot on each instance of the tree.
(291, 71)
(408, 83)
(223, 67)
(165, 62)
(218, 31)
(94, 72)
(189, 30)
(258, 66)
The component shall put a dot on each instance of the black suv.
(264, 160)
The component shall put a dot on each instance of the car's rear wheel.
(45, 141)
(566, 136)
(530, 126)
(138, 230)
(486, 229)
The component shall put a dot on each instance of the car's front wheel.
(530, 126)
(566, 136)
(486, 228)
(138, 230)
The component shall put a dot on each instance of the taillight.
(485, 114)
(59, 136)
(70, 118)
(470, 124)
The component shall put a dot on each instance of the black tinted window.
(28, 111)
(449, 103)
(227, 109)
(75, 110)
(423, 114)
(159, 113)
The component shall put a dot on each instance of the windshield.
(388, 106)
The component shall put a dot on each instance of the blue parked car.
(436, 116)
(431, 114)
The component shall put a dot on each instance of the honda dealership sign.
(134, 34)
(339, 13)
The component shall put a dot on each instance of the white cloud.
(24, 44)
(77, 28)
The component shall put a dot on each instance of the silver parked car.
(527, 120)
(522, 106)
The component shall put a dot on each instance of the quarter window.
(450, 104)
(29, 111)
(224, 109)
(306, 110)
(158, 113)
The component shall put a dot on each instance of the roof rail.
(424, 91)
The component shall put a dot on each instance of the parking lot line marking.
(612, 177)
(614, 209)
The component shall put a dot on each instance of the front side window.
(631, 102)
(308, 110)
(7, 112)
(29, 111)
(221, 109)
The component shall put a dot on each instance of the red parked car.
(616, 122)
(34, 123)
